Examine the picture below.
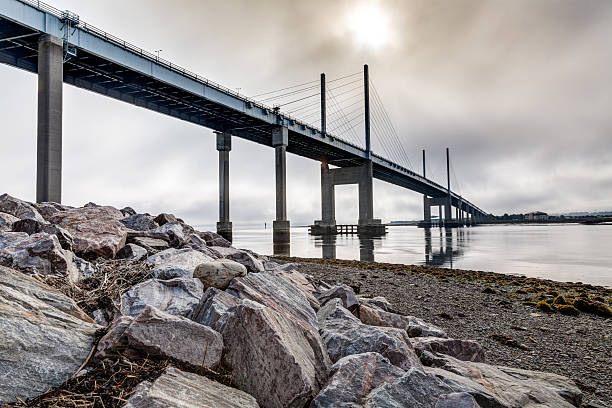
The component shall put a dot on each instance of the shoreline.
(491, 308)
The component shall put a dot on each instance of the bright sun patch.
(369, 25)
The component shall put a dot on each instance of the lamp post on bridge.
(323, 107)
(366, 91)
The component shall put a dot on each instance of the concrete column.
(280, 226)
(49, 139)
(328, 197)
(426, 211)
(448, 212)
(440, 217)
(224, 145)
(366, 195)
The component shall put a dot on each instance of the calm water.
(563, 252)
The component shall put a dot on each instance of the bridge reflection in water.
(443, 247)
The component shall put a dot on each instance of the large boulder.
(414, 326)
(36, 254)
(30, 226)
(352, 378)
(214, 239)
(45, 337)
(140, 222)
(219, 273)
(49, 209)
(157, 333)
(19, 208)
(164, 218)
(301, 281)
(457, 400)
(176, 231)
(6, 221)
(178, 296)
(97, 231)
(151, 244)
(344, 335)
(241, 256)
(132, 252)
(275, 292)
(512, 387)
(213, 306)
(379, 302)
(178, 389)
(467, 350)
(342, 292)
(172, 262)
(278, 360)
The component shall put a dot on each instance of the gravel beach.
(496, 310)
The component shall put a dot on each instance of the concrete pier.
(224, 146)
(281, 229)
(360, 175)
(49, 139)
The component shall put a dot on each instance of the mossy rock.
(596, 308)
(529, 303)
(560, 300)
(545, 307)
(489, 289)
(568, 310)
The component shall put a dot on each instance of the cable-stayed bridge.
(340, 122)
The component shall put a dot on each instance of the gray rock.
(176, 231)
(241, 256)
(414, 326)
(414, 389)
(177, 296)
(49, 209)
(344, 335)
(178, 389)
(85, 268)
(139, 222)
(157, 333)
(301, 281)
(6, 221)
(342, 292)
(44, 336)
(457, 400)
(132, 252)
(36, 254)
(19, 208)
(172, 263)
(150, 244)
(275, 292)
(272, 356)
(214, 239)
(128, 211)
(467, 350)
(214, 304)
(30, 226)
(97, 231)
(510, 387)
(164, 218)
(352, 378)
(218, 274)
(378, 302)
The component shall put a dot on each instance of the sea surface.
(562, 252)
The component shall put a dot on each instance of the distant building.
(536, 216)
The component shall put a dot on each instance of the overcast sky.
(519, 90)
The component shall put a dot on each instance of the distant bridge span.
(60, 48)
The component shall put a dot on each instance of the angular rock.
(157, 333)
(343, 335)
(97, 231)
(214, 239)
(176, 231)
(85, 268)
(218, 274)
(132, 252)
(30, 226)
(172, 263)
(19, 208)
(275, 292)
(150, 244)
(414, 326)
(510, 387)
(177, 296)
(241, 256)
(44, 336)
(139, 222)
(279, 361)
(128, 211)
(164, 218)
(378, 302)
(467, 350)
(457, 400)
(214, 304)
(342, 292)
(49, 209)
(36, 254)
(178, 389)
(352, 378)
(301, 281)
(6, 221)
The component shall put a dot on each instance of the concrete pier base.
(281, 232)
(225, 230)
(49, 139)
(224, 146)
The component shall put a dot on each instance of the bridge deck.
(110, 66)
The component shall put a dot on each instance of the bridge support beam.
(426, 212)
(281, 226)
(224, 146)
(49, 138)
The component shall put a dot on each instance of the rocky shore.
(101, 307)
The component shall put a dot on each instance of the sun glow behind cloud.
(369, 24)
